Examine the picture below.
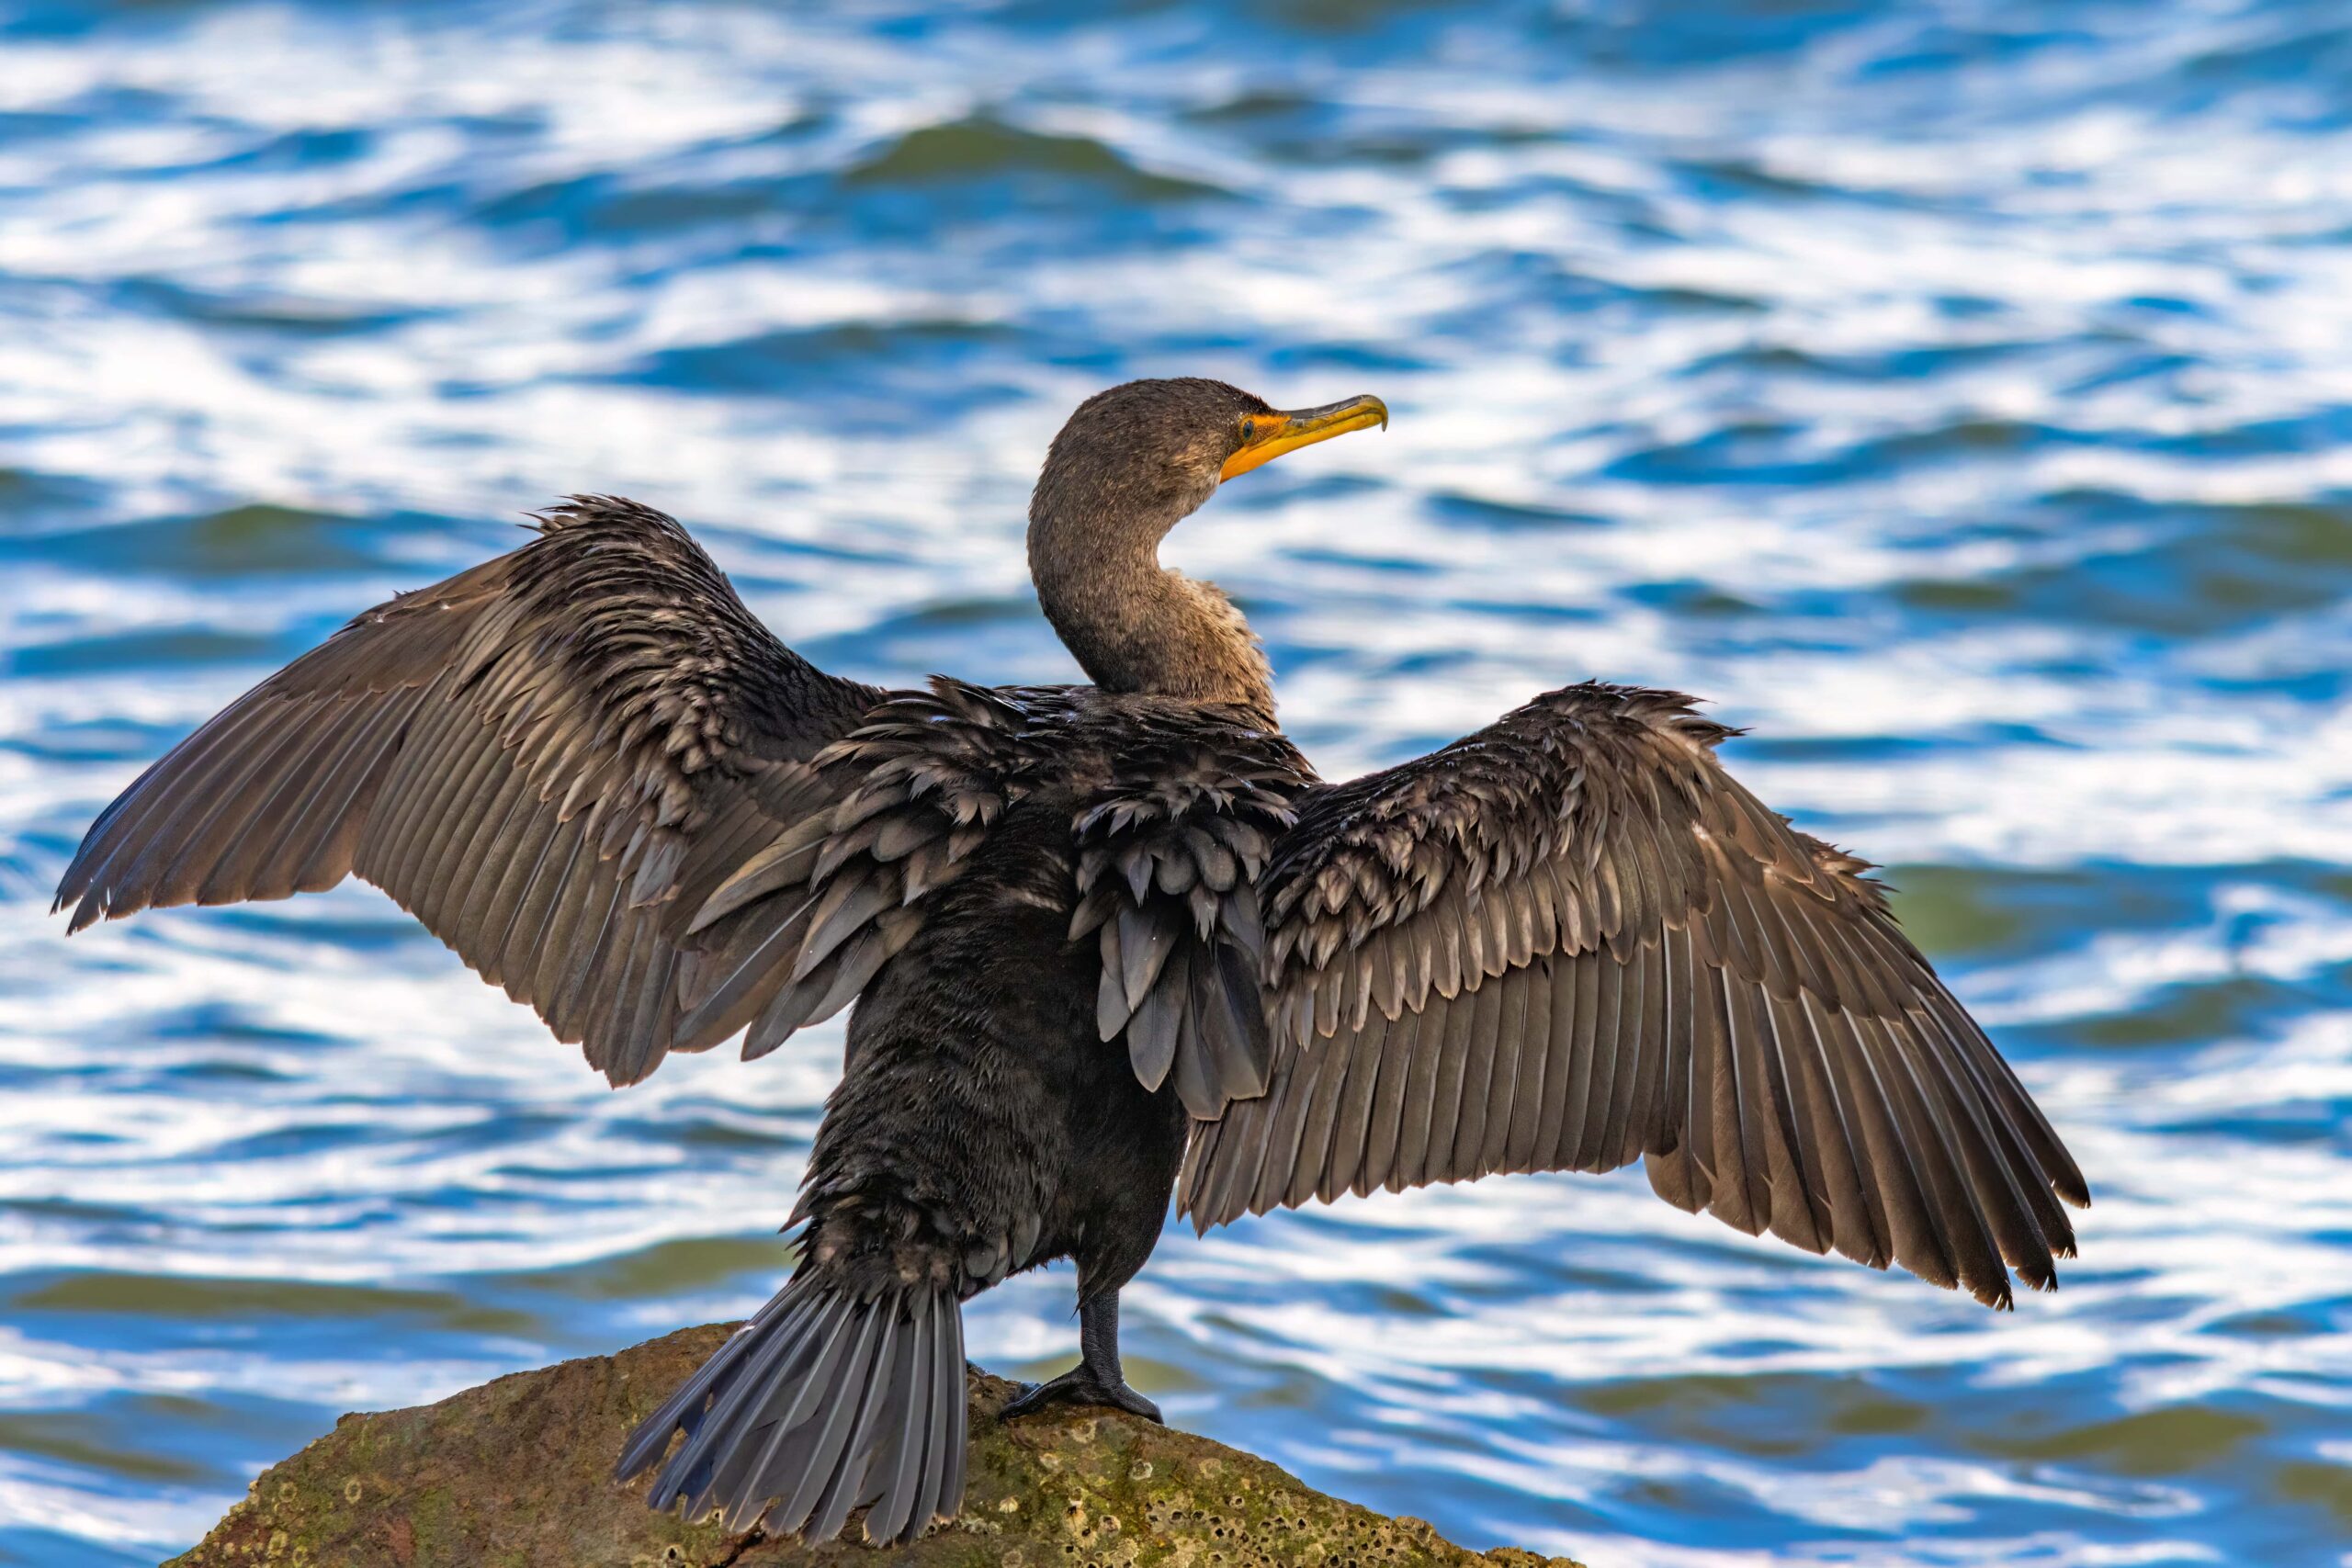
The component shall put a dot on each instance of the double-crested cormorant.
(1106, 942)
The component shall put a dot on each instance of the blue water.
(1957, 395)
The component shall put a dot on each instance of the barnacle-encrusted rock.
(518, 1474)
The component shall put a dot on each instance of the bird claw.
(1079, 1386)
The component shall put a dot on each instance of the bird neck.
(1133, 625)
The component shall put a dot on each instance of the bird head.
(1143, 455)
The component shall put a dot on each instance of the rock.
(518, 1474)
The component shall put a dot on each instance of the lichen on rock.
(518, 1474)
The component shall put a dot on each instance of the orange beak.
(1266, 437)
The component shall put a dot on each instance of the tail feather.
(907, 1414)
(819, 1406)
(942, 1465)
(833, 1471)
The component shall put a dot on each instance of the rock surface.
(517, 1473)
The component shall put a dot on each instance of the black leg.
(1096, 1380)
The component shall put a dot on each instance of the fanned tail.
(819, 1406)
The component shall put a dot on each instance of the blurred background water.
(1956, 394)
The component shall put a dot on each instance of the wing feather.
(1572, 941)
(527, 757)
(1171, 837)
(1351, 1113)
(1477, 1077)
(1383, 1131)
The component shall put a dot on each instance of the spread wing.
(550, 759)
(1572, 941)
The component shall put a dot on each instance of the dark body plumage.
(1095, 935)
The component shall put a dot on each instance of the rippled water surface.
(1957, 395)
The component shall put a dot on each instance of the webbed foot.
(1080, 1386)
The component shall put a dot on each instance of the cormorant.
(1106, 943)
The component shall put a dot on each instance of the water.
(1956, 394)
